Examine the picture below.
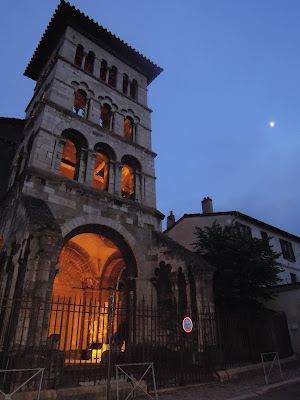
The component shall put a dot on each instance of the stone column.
(59, 153)
(111, 176)
(90, 167)
(142, 187)
(138, 178)
(135, 133)
(82, 165)
(94, 111)
(118, 178)
(54, 155)
(97, 64)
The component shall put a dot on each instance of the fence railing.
(70, 339)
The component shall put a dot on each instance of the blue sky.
(230, 67)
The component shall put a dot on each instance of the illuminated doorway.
(91, 268)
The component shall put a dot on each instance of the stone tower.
(78, 216)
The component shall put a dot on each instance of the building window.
(287, 250)
(130, 167)
(101, 172)
(79, 102)
(79, 55)
(112, 77)
(128, 182)
(89, 62)
(75, 142)
(68, 161)
(264, 235)
(105, 118)
(125, 83)
(293, 278)
(128, 128)
(103, 70)
(244, 229)
(133, 89)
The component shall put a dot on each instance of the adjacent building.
(183, 232)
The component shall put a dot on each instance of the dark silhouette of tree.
(245, 266)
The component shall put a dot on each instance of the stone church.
(78, 214)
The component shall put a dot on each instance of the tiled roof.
(67, 15)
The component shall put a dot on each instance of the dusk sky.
(230, 68)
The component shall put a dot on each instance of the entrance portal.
(91, 268)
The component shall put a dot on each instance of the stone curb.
(234, 373)
(266, 389)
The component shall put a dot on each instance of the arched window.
(70, 161)
(112, 77)
(128, 182)
(133, 89)
(101, 172)
(104, 154)
(105, 118)
(125, 83)
(103, 70)
(128, 128)
(79, 55)
(130, 167)
(80, 102)
(89, 62)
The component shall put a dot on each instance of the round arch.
(112, 235)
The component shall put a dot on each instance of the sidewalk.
(246, 388)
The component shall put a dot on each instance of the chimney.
(207, 206)
(170, 219)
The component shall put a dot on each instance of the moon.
(272, 124)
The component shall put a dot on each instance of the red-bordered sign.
(187, 324)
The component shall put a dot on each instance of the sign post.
(187, 324)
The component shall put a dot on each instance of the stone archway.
(94, 262)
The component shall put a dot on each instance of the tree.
(245, 267)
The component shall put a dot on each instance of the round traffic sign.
(187, 324)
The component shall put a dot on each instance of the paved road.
(291, 392)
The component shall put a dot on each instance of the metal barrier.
(270, 357)
(79, 340)
(136, 383)
(7, 396)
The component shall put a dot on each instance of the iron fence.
(70, 339)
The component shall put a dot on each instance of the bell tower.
(88, 118)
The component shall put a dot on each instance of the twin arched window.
(79, 106)
(104, 154)
(106, 116)
(129, 169)
(79, 55)
(89, 62)
(125, 83)
(128, 128)
(103, 70)
(133, 89)
(112, 77)
(101, 172)
(70, 161)
(89, 59)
